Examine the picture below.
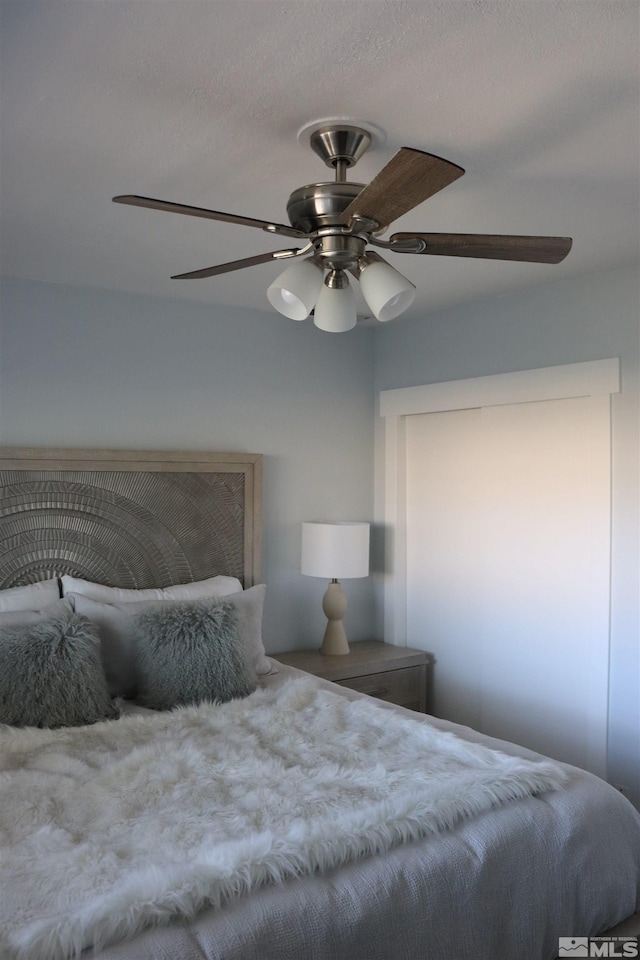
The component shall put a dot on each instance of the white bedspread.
(126, 824)
(505, 883)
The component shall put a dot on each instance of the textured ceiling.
(201, 103)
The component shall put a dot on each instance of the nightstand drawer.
(405, 687)
(397, 674)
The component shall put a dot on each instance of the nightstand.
(396, 674)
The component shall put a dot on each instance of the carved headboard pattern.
(129, 518)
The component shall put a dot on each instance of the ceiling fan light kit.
(386, 291)
(335, 310)
(340, 220)
(295, 291)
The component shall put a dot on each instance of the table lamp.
(335, 551)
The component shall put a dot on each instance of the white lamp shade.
(295, 292)
(335, 310)
(386, 291)
(335, 550)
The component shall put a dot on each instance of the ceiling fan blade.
(485, 246)
(268, 225)
(238, 264)
(410, 177)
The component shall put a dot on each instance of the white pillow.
(27, 618)
(213, 587)
(116, 624)
(33, 596)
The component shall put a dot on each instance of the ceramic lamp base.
(334, 604)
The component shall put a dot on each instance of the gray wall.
(86, 368)
(587, 319)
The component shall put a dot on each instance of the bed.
(342, 829)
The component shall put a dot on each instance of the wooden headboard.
(129, 518)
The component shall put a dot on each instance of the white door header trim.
(592, 378)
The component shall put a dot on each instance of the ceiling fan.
(339, 222)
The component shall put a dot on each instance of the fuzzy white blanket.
(110, 828)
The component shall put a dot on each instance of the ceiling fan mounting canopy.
(338, 220)
(337, 143)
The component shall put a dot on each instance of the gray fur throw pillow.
(51, 675)
(191, 652)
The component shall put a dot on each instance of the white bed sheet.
(505, 885)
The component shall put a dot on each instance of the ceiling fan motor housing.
(320, 205)
(316, 209)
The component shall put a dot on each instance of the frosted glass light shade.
(335, 550)
(387, 292)
(335, 310)
(295, 291)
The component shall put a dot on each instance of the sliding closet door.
(444, 543)
(508, 556)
